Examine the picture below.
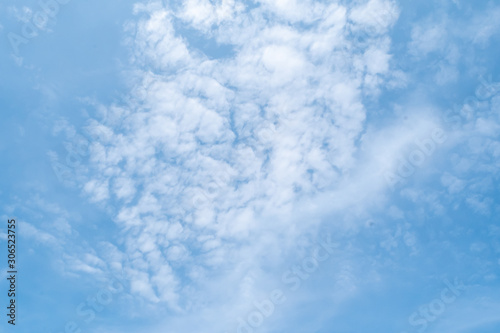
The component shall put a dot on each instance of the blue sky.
(252, 166)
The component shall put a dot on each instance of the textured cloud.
(215, 166)
(211, 155)
(210, 152)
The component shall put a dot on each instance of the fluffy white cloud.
(211, 158)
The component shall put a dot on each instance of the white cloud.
(428, 37)
(203, 13)
(97, 191)
(376, 15)
(213, 160)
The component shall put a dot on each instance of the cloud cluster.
(207, 150)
